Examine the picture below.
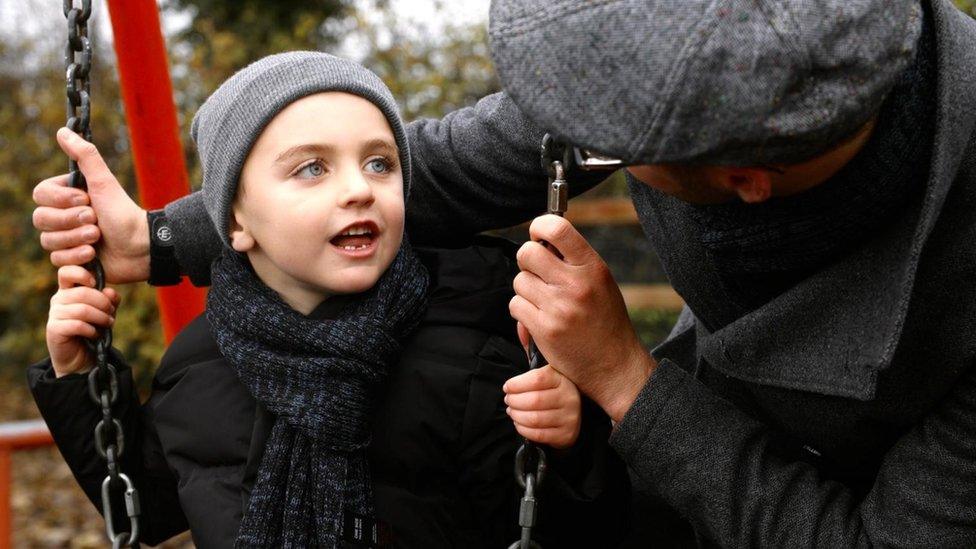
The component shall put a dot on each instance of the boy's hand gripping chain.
(529, 455)
(103, 384)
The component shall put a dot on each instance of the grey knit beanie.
(723, 82)
(227, 125)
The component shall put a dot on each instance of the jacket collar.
(834, 332)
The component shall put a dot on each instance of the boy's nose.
(356, 191)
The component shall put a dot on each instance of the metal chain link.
(103, 383)
(530, 460)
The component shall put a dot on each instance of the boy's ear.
(753, 185)
(240, 238)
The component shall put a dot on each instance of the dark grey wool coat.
(840, 414)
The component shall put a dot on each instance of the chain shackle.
(103, 384)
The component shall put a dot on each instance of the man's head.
(688, 87)
(306, 168)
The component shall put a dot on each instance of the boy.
(325, 382)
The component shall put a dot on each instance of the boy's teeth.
(357, 231)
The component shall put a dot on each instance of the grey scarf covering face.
(319, 377)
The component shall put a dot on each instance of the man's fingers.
(79, 255)
(560, 233)
(532, 288)
(54, 192)
(113, 296)
(543, 263)
(58, 219)
(523, 335)
(525, 312)
(74, 275)
(60, 240)
(86, 154)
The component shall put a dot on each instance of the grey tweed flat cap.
(722, 82)
(229, 122)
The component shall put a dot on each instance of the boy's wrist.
(61, 370)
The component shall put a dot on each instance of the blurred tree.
(431, 69)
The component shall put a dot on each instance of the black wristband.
(164, 269)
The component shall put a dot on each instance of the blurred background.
(432, 54)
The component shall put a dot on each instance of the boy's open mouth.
(357, 238)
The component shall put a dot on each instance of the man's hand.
(545, 407)
(78, 310)
(72, 222)
(575, 313)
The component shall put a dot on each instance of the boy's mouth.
(357, 238)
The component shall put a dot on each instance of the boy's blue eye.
(378, 165)
(310, 171)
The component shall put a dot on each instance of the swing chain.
(103, 383)
(530, 459)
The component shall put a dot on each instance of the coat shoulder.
(194, 344)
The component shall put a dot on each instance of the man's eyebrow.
(308, 148)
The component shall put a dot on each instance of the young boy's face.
(319, 208)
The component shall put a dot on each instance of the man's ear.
(753, 185)
(240, 237)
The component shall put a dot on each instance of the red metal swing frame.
(147, 92)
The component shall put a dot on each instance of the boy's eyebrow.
(308, 148)
(320, 148)
(380, 143)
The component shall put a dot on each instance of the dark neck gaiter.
(319, 377)
(760, 250)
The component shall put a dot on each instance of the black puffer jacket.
(442, 450)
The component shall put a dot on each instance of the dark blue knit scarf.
(320, 378)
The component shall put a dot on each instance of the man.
(805, 172)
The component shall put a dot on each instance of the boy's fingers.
(47, 218)
(539, 419)
(73, 328)
(541, 436)
(533, 380)
(61, 240)
(79, 255)
(70, 276)
(86, 296)
(54, 192)
(534, 400)
(86, 313)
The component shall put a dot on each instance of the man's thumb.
(100, 178)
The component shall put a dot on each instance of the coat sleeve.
(716, 466)
(476, 169)
(71, 417)
(584, 497)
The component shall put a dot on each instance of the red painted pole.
(6, 532)
(16, 435)
(154, 133)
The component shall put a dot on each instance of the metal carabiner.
(131, 509)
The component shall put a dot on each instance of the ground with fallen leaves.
(49, 509)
